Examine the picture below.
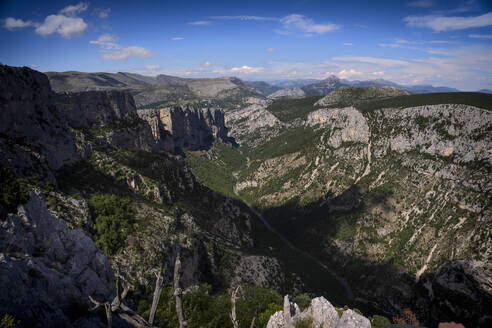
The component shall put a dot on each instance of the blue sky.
(435, 42)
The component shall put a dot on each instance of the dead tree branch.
(157, 294)
(178, 292)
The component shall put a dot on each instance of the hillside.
(158, 91)
(393, 193)
(382, 204)
(91, 194)
(347, 96)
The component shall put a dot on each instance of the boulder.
(351, 319)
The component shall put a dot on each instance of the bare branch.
(177, 290)
(233, 316)
(157, 294)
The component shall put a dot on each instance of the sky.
(437, 42)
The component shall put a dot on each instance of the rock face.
(345, 125)
(46, 270)
(288, 93)
(321, 314)
(347, 95)
(246, 122)
(85, 110)
(188, 127)
(351, 319)
(28, 113)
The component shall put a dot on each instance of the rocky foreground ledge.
(320, 313)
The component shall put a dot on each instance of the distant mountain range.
(311, 84)
(163, 90)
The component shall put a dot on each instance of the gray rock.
(322, 312)
(186, 127)
(53, 269)
(288, 93)
(28, 113)
(351, 319)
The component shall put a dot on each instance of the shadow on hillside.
(378, 287)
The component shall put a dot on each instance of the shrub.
(113, 217)
(406, 317)
(304, 323)
(379, 321)
(269, 311)
(8, 321)
(12, 192)
(303, 300)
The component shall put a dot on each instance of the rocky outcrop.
(246, 122)
(320, 314)
(28, 116)
(288, 93)
(457, 131)
(347, 95)
(186, 127)
(343, 124)
(47, 272)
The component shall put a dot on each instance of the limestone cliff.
(96, 108)
(28, 115)
(189, 127)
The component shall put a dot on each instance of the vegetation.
(8, 321)
(379, 321)
(204, 309)
(288, 110)
(481, 100)
(113, 217)
(12, 191)
(305, 323)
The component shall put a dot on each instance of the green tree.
(12, 192)
(113, 217)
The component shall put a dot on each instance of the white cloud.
(348, 44)
(449, 23)
(65, 23)
(152, 67)
(34, 66)
(421, 3)
(372, 60)
(124, 53)
(305, 24)
(106, 41)
(74, 9)
(114, 51)
(246, 70)
(246, 17)
(102, 12)
(270, 50)
(480, 36)
(390, 45)
(207, 64)
(177, 38)
(200, 23)
(344, 73)
(67, 27)
(11, 23)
